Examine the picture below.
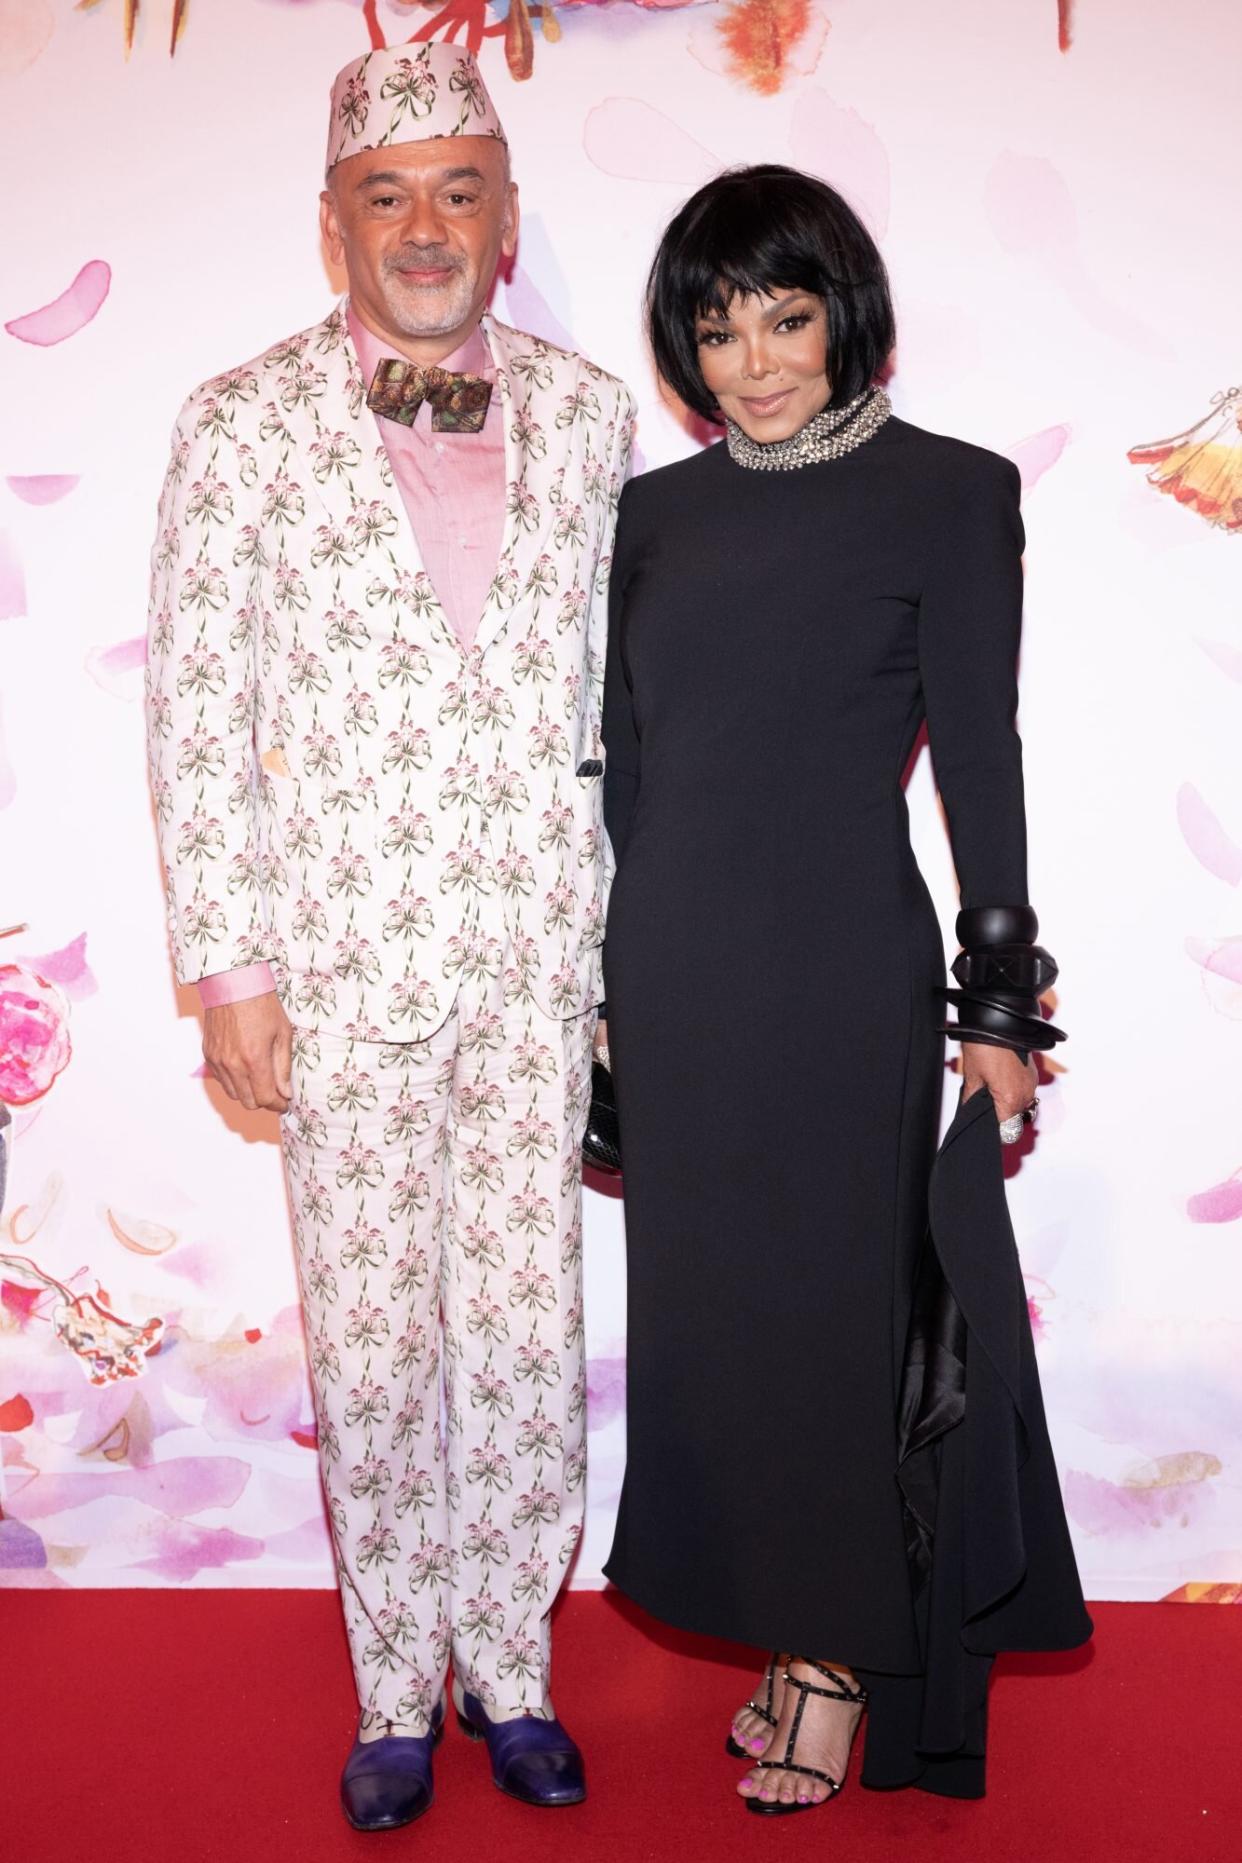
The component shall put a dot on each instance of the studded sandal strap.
(810, 1772)
(841, 1690)
(764, 1711)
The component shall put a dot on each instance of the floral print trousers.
(436, 1196)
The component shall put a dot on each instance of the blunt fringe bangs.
(761, 230)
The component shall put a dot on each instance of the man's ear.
(513, 218)
(330, 227)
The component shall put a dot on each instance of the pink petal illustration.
(68, 967)
(1224, 959)
(183, 1549)
(42, 488)
(1229, 659)
(838, 145)
(1205, 837)
(70, 312)
(605, 1391)
(1035, 455)
(1171, 1490)
(1221, 1204)
(108, 666)
(12, 581)
(625, 137)
(1221, 963)
(25, 29)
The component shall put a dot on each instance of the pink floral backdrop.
(1042, 178)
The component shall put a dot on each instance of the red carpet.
(176, 1726)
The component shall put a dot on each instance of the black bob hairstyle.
(763, 230)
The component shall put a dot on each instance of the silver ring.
(603, 1057)
(1011, 1129)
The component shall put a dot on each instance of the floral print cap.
(408, 93)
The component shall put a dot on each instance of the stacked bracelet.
(1001, 973)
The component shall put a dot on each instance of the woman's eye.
(798, 321)
(713, 338)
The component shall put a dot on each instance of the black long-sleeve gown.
(777, 639)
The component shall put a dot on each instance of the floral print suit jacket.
(336, 780)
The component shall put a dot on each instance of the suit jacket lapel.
(340, 439)
(523, 377)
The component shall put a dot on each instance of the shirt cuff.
(235, 986)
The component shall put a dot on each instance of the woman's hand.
(601, 1041)
(1011, 1081)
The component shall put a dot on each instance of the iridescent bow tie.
(458, 403)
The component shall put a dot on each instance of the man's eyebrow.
(396, 177)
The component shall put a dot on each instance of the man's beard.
(428, 311)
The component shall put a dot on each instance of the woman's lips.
(766, 404)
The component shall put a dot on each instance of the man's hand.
(1011, 1081)
(249, 1048)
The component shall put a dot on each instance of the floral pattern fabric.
(408, 93)
(338, 783)
(443, 1176)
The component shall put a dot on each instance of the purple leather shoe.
(387, 1783)
(533, 1760)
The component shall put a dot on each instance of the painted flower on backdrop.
(762, 44)
(107, 1347)
(34, 1034)
(1202, 467)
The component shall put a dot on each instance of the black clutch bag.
(601, 1142)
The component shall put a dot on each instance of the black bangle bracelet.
(986, 925)
(1008, 1023)
(1021, 1008)
(986, 1041)
(1026, 968)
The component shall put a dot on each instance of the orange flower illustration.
(1202, 467)
(760, 37)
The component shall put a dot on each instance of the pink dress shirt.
(453, 488)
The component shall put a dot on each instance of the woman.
(788, 609)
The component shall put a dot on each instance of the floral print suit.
(406, 831)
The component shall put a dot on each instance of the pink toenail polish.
(756, 1746)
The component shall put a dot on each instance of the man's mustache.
(424, 259)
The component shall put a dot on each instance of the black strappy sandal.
(840, 1692)
(763, 1710)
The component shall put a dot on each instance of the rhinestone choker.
(828, 435)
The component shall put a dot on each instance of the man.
(375, 670)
